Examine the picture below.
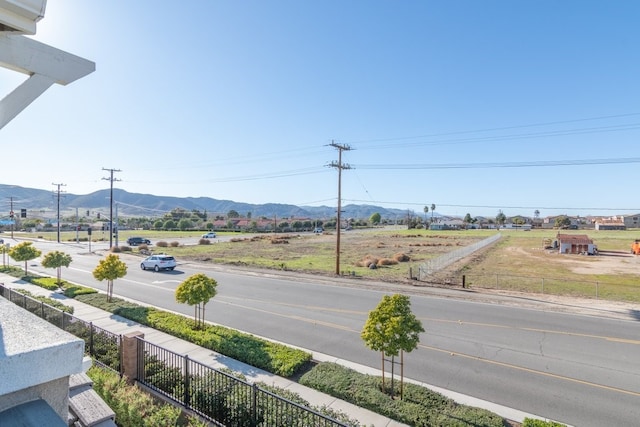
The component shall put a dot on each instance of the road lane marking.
(531, 371)
(546, 331)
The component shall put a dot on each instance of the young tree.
(57, 260)
(110, 268)
(24, 251)
(197, 290)
(392, 329)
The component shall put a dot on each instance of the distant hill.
(147, 205)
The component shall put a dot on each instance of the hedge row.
(275, 358)
(419, 406)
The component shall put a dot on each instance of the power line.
(540, 163)
(557, 122)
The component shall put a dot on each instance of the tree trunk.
(392, 367)
(383, 385)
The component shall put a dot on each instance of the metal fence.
(103, 346)
(218, 396)
(576, 287)
(436, 264)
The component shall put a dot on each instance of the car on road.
(135, 241)
(209, 235)
(158, 262)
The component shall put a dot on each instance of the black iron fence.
(215, 395)
(219, 396)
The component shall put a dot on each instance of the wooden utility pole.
(111, 179)
(339, 165)
(58, 197)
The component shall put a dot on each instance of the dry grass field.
(518, 262)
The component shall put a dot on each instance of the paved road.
(577, 369)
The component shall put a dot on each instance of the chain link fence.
(436, 264)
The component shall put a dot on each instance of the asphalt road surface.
(577, 369)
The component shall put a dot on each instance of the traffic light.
(11, 214)
(23, 213)
(88, 212)
(98, 215)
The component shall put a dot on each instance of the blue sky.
(461, 104)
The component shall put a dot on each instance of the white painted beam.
(44, 64)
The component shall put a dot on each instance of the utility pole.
(11, 216)
(111, 179)
(339, 165)
(58, 192)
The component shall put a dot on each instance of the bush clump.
(273, 357)
(367, 261)
(174, 244)
(204, 242)
(419, 406)
(162, 244)
(70, 291)
(133, 408)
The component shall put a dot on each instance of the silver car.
(159, 262)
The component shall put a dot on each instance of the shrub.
(273, 357)
(49, 283)
(116, 249)
(162, 244)
(134, 408)
(419, 406)
(73, 290)
(400, 257)
(387, 261)
(143, 247)
(204, 242)
(367, 261)
(174, 244)
(125, 248)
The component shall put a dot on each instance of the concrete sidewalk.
(120, 325)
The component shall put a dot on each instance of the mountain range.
(42, 203)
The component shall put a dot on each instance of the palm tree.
(426, 209)
(433, 208)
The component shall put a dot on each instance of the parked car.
(318, 230)
(159, 262)
(135, 241)
(209, 235)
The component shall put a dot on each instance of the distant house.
(575, 244)
(631, 221)
(611, 223)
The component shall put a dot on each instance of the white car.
(159, 262)
(209, 235)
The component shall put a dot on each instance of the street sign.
(7, 221)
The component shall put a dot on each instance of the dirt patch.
(604, 263)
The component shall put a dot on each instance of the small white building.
(576, 244)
